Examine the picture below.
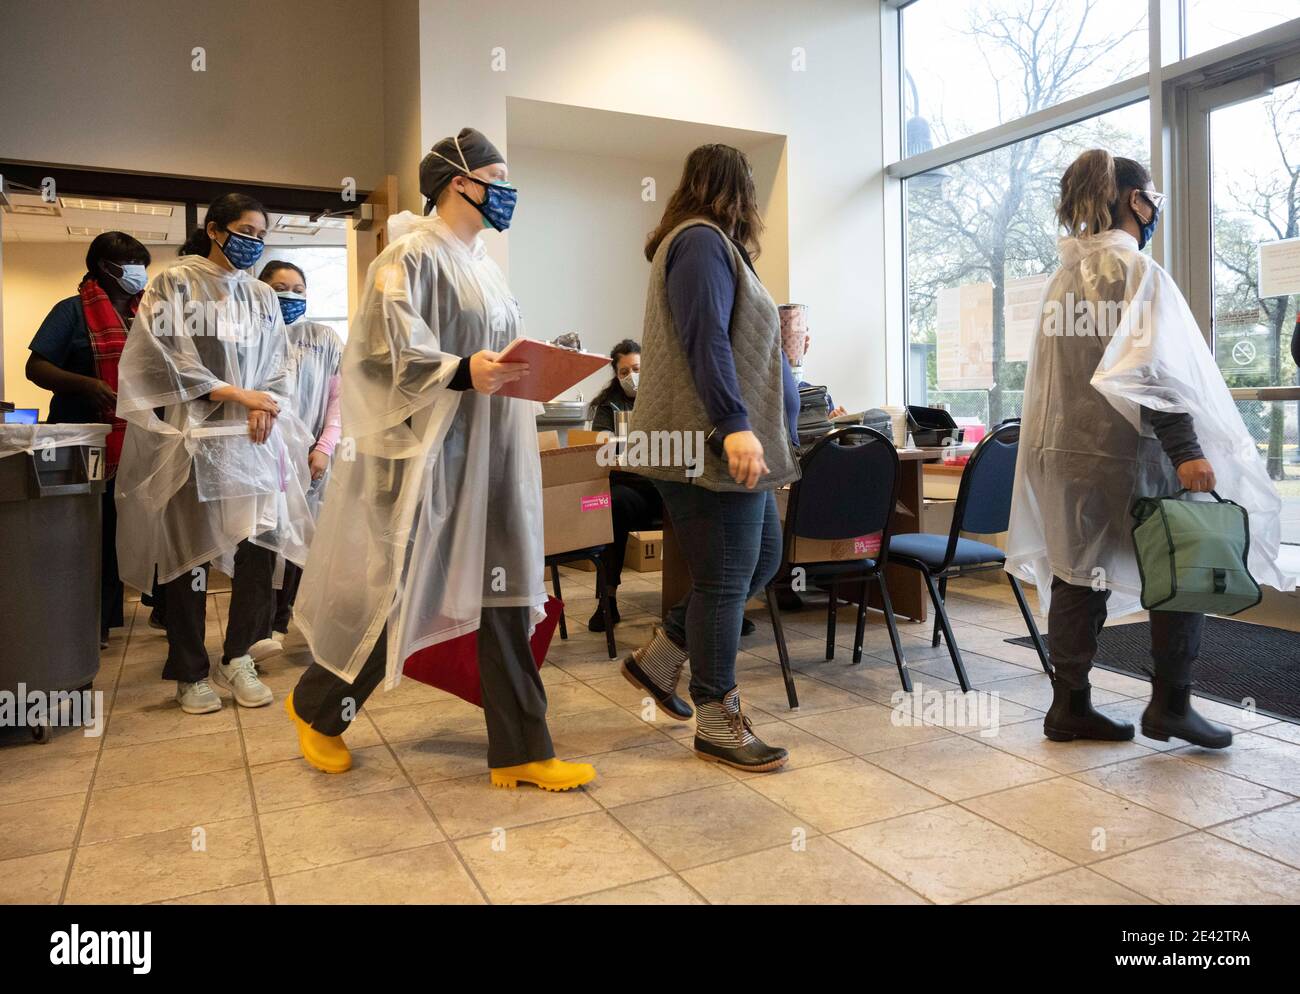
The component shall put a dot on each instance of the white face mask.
(133, 277)
(629, 382)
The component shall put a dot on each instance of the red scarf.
(107, 339)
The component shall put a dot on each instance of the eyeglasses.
(1156, 198)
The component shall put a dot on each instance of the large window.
(997, 97)
(981, 240)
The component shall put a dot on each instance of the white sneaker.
(197, 697)
(265, 649)
(240, 677)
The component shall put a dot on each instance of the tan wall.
(110, 86)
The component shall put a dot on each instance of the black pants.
(1076, 617)
(635, 504)
(284, 598)
(514, 700)
(110, 588)
(185, 602)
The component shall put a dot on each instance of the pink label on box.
(867, 545)
(596, 503)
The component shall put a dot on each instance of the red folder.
(453, 666)
(552, 369)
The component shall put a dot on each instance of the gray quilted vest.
(669, 409)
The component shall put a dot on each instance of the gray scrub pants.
(514, 700)
(1076, 616)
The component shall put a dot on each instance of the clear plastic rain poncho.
(435, 507)
(1114, 337)
(191, 484)
(315, 350)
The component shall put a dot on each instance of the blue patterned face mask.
(243, 251)
(498, 207)
(292, 305)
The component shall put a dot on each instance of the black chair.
(593, 555)
(983, 507)
(848, 489)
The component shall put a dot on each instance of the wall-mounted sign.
(1020, 315)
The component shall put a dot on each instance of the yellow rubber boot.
(325, 752)
(549, 774)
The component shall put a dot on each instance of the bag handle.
(1212, 493)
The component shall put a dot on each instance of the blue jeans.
(732, 545)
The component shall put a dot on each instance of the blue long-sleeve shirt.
(701, 290)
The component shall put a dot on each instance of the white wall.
(725, 63)
(577, 249)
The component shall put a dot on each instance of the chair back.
(847, 488)
(984, 497)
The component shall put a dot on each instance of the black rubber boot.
(597, 622)
(1072, 716)
(747, 627)
(656, 668)
(724, 735)
(1171, 715)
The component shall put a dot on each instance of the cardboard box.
(813, 550)
(576, 504)
(645, 551)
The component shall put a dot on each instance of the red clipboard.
(552, 369)
(453, 665)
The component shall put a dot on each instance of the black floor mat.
(1238, 662)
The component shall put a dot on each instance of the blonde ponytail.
(1088, 193)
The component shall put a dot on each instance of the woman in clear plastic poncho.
(315, 350)
(432, 527)
(1122, 400)
(213, 467)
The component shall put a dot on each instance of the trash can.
(51, 487)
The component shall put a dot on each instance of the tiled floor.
(914, 804)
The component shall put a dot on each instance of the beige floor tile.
(805, 749)
(1035, 691)
(823, 872)
(1077, 886)
(1120, 683)
(950, 854)
(419, 721)
(146, 868)
(241, 894)
(428, 875)
(1026, 740)
(1228, 714)
(168, 760)
(572, 697)
(1200, 869)
(351, 827)
(1256, 758)
(554, 860)
(36, 775)
(29, 827)
(36, 879)
(407, 692)
(601, 731)
(164, 723)
(1287, 731)
(272, 742)
(839, 795)
(1079, 822)
(815, 697)
(444, 757)
(142, 809)
(1274, 833)
(1131, 711)
(866, 729)
(668, 890)
(473, 806)
(1180, 789)
(657, 770)
(293, 783)
(958, 767)
(983, 671)
(703, 826)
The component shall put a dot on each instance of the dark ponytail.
(226, 209)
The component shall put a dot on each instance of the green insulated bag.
(1192, 555)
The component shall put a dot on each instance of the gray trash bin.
(51, 486)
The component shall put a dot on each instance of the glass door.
(1244, 151)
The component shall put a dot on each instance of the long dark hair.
(226, 209)
(1093, 188)
(627, 346)
(717, 185)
